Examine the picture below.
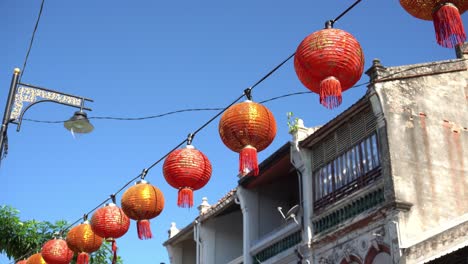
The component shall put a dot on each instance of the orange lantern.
(142, 202)
(24, 261)
(187, 169)
(36, 259)
(247, 128)
(82, 240)
(445, 15)
(111, 223)
(56, 251)
(329, 62)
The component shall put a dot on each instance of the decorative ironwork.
(33, 94)
(354, 208)
(278, 247)
(353, 170)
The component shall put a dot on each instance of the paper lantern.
(24, 261)
(36, 259)
(110, 222)
(445, 15)
(82, 240)
(187, 169)
(142, 202)
(247, 128)
(56, 251)
(329, 62)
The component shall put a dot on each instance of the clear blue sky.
(140, 58)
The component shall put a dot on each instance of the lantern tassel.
(330, 92)
(185, 197)
(448, 26)
(83, 258)
(144, 229)
(248, 161)
(114, 249)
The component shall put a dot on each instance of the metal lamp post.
(21, 94)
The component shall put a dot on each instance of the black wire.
(272, 71)
(346, 11)
(384, 78)
(283, 96)
(155, 116)
(32, 40)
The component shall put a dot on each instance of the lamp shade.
(445, 15)
(143, 202)
(328, 62)
(110, 222)
(247, 128)
(82, 240)
(36, 259)
(79, 123)
(187, 169)
(56, 251)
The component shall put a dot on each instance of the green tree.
(20, 239)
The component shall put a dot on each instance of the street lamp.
(21, 93)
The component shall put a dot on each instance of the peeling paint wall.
(426, 113)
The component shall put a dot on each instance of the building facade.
(386, 181)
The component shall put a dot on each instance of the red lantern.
(445, 14)
(82, 240)
(247, 128)
(24, 261)
(142, 202)
(329, 62)
(110, 222)
(56, 251)
(187, 169)
(36, 259)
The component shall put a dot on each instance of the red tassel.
(114, 249)
(448, 26)
(83, 258)
(248, 161)
(144, 229)
(185, 197)
(330, 92)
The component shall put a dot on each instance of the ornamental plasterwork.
(438, 243)
(32, 95)
(358, 245)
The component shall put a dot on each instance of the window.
(346, 173)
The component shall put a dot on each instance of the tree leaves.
(20, 239)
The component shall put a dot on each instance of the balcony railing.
(349, 210)
(278, 247)
(276, 242)
(346, 173)
(347, 189)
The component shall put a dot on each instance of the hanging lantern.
(329, 62)
(143, 202)
(24, 261)
(36, 259)
(247, 128)
(187, 169)
(82, 240)
(56, 251)
(445, 14)
(110, 222)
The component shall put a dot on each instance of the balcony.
(276, 242)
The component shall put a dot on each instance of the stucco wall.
(282, 193)
(222, 238)
(188, 252)
(426, 113)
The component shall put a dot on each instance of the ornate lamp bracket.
(28, 95)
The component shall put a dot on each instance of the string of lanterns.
(327, 62)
